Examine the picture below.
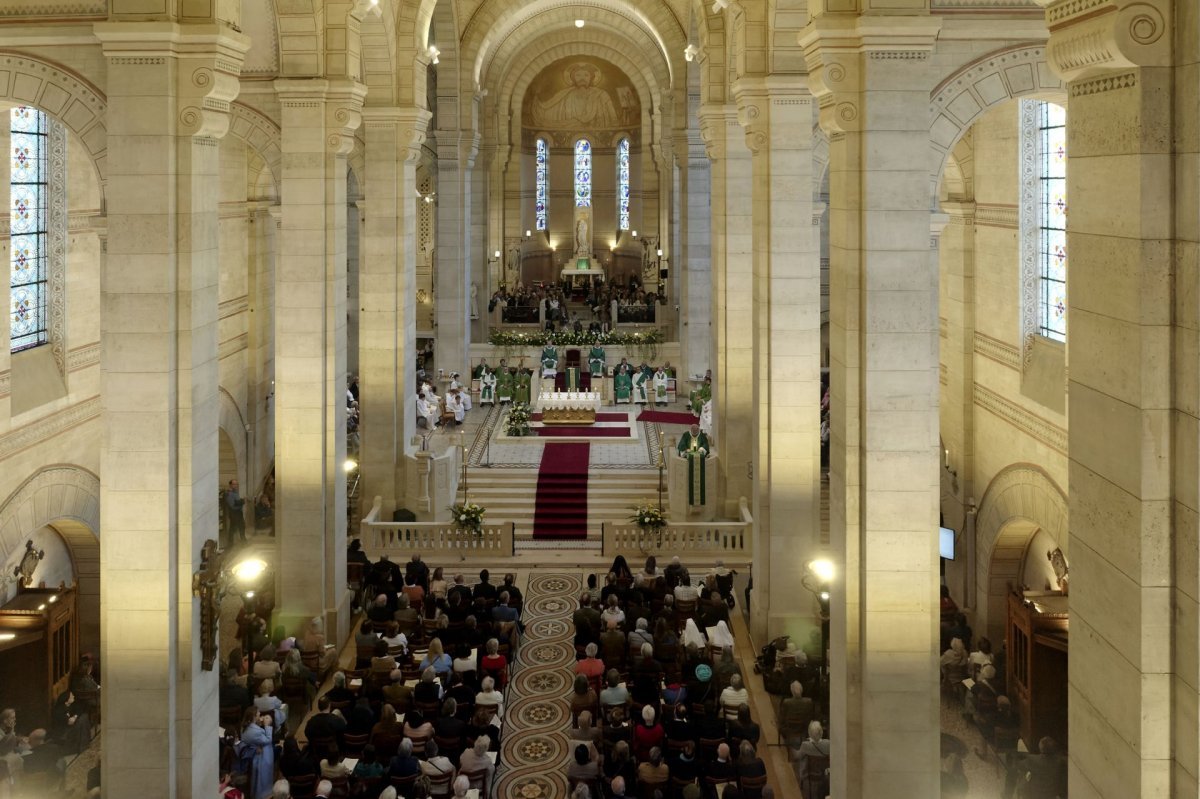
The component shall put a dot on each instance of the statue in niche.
(582, 104)
(474, 300)
(583, 244)
(1058, 562)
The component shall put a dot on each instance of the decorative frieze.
(83, 357)
(999, 351)
(996, 215)
(1041, 429)
(34, 433)
(1108, 83)
(48, 8)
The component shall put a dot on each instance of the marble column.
(168, 103)
(872, 78)
(318, 119)
(456, 151)
(387, 291)
(1132, 398)
(732, 303)
(786, 377)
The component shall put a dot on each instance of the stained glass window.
(623, 184)
(29, 197)
(542, 182)
(1052, 220)
(583, 174)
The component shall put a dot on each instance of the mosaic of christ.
(581, 95)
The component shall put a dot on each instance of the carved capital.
(343, 114)
(1089, 38)
(410, 124)
(714, 124)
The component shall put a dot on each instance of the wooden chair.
(816, 780)
(751, 787)
(341, 787)
(368, 786)
(303, 787)
(342, 705)
(353, 743)
(403, 785)
(706, 748)
(231, 717)
(729, 712)
(363, 655)
(713, 782)
(450, 747)
(429, 709)
(678, 784)
(439, 784)
(478, 780)
(685, 609)
(386, 746)
(320, 746)
(646, 789)
(418, 743)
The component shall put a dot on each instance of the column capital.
(834, 49)
(1099, 37)
(209, 58)
(410, 122)
(715, 122)
(342, 102)
(758, 97)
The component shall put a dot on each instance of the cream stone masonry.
(732, 302)
(693, 273)
(456, 151)
(1123, 528)
(387, 325)
(872, 79)
(786, 382)
(318, 120)
(170, 88)
(957, 306)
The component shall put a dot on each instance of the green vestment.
(596, 361)
(521, 393)
(622, 386)
(504, 386)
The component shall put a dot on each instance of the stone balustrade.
(728, 540)
(432, 538)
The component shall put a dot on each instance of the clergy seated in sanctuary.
(523, 381)
(641, 386)
(456, 406)
(596, 361)
(701, 395)
(487, 387)
(623, 383)
(480, 369)
(463, 390)
(660, 386)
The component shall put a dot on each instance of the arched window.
(583, 174)
(542, 182)
(29, 198)
(1044, 218)
(623, 184)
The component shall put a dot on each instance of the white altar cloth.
(568, 400)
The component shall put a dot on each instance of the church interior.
(600, 398)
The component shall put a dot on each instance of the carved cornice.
(33, 433)
(49, 8)
(1093, 37)
(1041, 429)
(83, 357)
(996, 215)
(999, 351)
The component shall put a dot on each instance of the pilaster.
(168, 106)
(956, 257)
(387, 320)
(1131, 400)
(732, 301)
(318, 120)
(872, 79)
(694, 269)
(786, 366)
(452, 288)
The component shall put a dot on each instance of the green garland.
(540, 338)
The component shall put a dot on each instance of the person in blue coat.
(256, 753)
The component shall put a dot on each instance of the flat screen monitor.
(946, 543)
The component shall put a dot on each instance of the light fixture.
(433, 54)
(660, 252)
(249, 595)
(528, 233)
(496, 254)
(53, 599)
(42, 606)
(635, 234)
(825, 595)
(578, 23)
(7, 636)
(350, 464)
(822, 568)
(248, 570)
(689, 52)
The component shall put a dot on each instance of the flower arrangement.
(648, 517)
(517, 422)
(540, 338)
(468, 516)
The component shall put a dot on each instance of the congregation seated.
(811, 761)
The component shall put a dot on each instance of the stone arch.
(377, 35)
(231, 422)
(977, 87)
(260, 133)
(65, 497)
(1021, 493)
(64, 95)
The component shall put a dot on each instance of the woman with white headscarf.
(692, 635)
(721, 637)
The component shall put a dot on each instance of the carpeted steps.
(560, 508)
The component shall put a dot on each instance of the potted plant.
(468, 516)
(517, 422)
(650, 521)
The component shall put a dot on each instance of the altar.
(568, 407)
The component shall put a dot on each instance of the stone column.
(452, 287)
(318, 119)
(694, 269)
(786, 379)
(1132, 397)
(168, 104)
(732, 302)
(872, 78)
(387, 319)
(956, 255)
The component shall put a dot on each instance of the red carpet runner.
(560, 511)
(588, 431)
(667, 417)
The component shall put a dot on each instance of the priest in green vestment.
(596, 361)
(524, 379)
(478, 372)
(622, 386)
(549, 361)
(700, 396)
(693, 445)
(504, 386)
(641, 386)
